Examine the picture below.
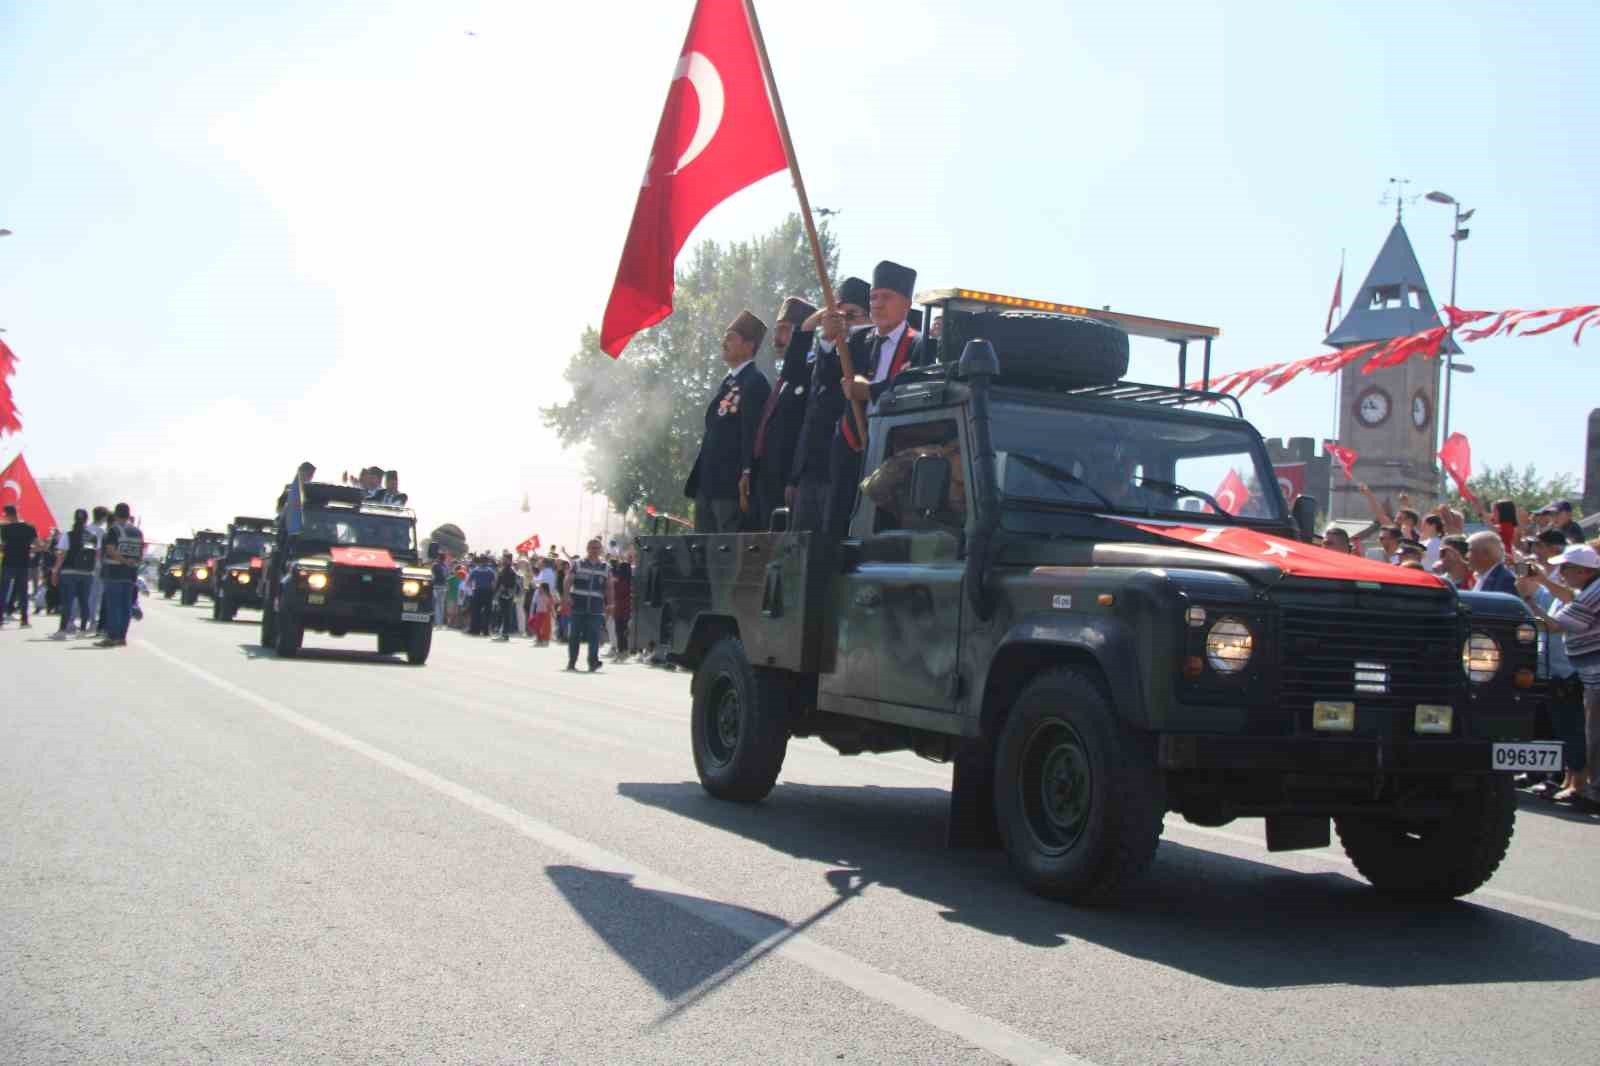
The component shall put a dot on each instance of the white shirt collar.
(891, 341)
(736, 371)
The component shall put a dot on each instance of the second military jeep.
(237, 580)
(206, 548)
(1090, 596)
(342, 564)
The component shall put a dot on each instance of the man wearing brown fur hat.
(732, 419)
(779, 430)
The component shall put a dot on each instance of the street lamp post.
(1457, 235)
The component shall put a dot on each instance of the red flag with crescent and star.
(1345, 457)
(19, 490)
(1290, 556)
(529, 545)
(10, 422)
(1233, 493)
(1456, 455)
(717, 135)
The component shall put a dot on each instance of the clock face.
(1421, 410)
(1373, 406)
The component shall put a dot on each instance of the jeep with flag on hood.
(237, 578)
(343, 564)
(205, 549)
(1090, 596)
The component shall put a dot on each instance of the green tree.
(640, 417)
(1525, 486)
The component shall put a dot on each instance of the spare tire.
(1037, 350)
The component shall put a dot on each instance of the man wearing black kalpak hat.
(779, 429)
(732, 419)
(807, 492)
(880, 355)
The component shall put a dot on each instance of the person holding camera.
(1573, 581)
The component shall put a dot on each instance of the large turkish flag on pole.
(19, 490)
(717, 135)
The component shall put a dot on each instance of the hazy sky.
(247, 234)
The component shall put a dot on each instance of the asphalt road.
(214, 855)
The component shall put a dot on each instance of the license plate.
(1531, 757)
(415, 616)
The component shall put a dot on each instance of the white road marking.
(983, 1032)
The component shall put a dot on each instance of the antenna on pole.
(1397, 192)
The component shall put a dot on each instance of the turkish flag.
(1233, 493)
(1345, 457)
(717, 135)
(1290, 556)
(531, 544)
(18, 489)
(1456, 455)
(1291, 480)
(9, 421)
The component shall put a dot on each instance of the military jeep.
(170, 576)
(1091, 598)
(207, 546)
(340, 565)
(236, 581)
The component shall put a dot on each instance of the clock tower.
(1389, 417)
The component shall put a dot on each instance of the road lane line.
(762, 931)
(1342, 860)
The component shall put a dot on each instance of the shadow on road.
(1226, 919)
(1527, 804)
(324, 655)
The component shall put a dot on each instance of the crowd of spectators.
(571, 599)
(87, 575)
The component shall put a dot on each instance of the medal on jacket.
(729, 404)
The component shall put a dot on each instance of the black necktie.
(877, 353)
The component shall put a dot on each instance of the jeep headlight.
(201, 573)
(317, 581)
(411, 589)
(176, 571)
(1228, 646)
(1480, 658)
(242, 576)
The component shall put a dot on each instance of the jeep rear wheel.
(1078, 796)
(739, 726)
(1440, 859)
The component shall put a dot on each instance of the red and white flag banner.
(19, 490)
(1456, 455)
(1345, 457)
(1290, 556)
(1428, 343)
(10, 420)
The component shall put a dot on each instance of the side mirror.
(1304, 512)
(930, 483)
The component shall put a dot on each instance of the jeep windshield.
(1152, 465)
(249, 544)
(360, 530)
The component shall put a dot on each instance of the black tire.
(419, 641)
(188, 597)
(218, 609)
(269, 623)
(1044, 350)
(739, 727)
(389, 643)
(230, 610)
(167, 595)
(1437, 860)
(291, 633)
(1078, 797)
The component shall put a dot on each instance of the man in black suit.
(732, 418)
(779, 429)
(880, 355)
(807, 491)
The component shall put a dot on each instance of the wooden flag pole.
(846, 364)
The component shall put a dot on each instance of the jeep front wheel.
(1439, 859)
(419, 640)
(739, 724)
(188, 596)
(1078, 797)
(291, 633)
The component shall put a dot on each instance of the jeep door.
(899, 614)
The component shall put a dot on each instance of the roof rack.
(1160, 395)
